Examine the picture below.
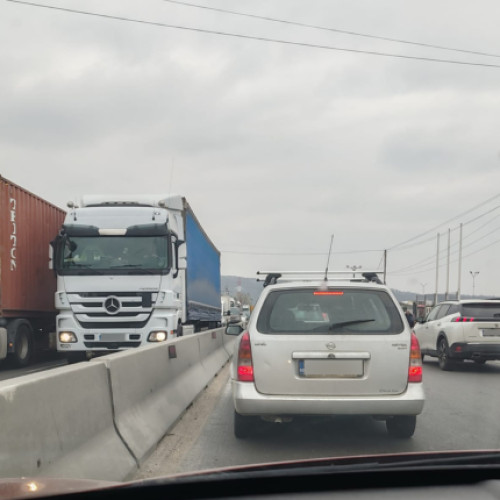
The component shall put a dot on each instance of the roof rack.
(272, 277)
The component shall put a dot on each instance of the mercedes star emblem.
(112, 305)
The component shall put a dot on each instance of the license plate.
(331, 368)
(112, 337)
(491, 332)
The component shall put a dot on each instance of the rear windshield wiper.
(333, 326)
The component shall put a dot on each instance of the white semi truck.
(132, 271)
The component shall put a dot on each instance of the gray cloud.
(276, 147)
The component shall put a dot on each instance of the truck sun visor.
(147, 230)
(80, 230)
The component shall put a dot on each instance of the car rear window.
(481, 310)
(342, 311)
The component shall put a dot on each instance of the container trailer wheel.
(20, 333)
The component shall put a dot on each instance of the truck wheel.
(445, 363)
(21, 333)
(401, 426)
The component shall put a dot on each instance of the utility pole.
(437, 272)
(447, 268)
(385, 266)
(459, 262)
(474, 274)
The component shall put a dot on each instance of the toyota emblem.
(112, 305)
(330, 346)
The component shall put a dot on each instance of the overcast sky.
(275, 146)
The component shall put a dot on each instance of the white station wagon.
(327, 348)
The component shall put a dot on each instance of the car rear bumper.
(471, 350)
(247, 401)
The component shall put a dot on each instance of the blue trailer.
(203, 305)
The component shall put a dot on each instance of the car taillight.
(245, 367)
(462, 319)
(415, 368)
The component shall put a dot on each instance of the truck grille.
(112, 309)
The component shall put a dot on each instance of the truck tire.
(20, 333)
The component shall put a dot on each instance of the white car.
(456, 330)
(352, 353)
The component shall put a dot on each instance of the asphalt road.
(462, 411)
(44, 362)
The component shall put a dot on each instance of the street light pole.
(474, 274)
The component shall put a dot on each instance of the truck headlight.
(160, 336)
(67, 337)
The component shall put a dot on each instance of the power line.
(432, 238)
(445, 222)
(335, 30)
(452, 262)
(443, 251)
(415, 267)
(257, 38)
(345, 252)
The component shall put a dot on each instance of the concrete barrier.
(101, 419)
(59, 423)
(229, 341)
(212, 353)
(152, 387)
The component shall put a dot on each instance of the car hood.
(32, 487)
(237, 476)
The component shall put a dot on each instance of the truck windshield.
(122, 254)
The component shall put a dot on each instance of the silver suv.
(311, 349)
(456, 330)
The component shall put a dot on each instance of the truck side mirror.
(54, 252)
(177, 243)
(51, 257)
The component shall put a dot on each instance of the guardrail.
(101, 419)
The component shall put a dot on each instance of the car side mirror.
(234, 330)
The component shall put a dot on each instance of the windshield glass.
(114, 253)
(159, 160)
(343, 311)
(481, 310)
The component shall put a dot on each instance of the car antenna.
(328, 260)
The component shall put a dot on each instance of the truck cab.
(121, 275)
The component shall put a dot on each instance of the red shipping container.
(27, 226)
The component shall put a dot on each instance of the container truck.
(27, 285)
(132, 271)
